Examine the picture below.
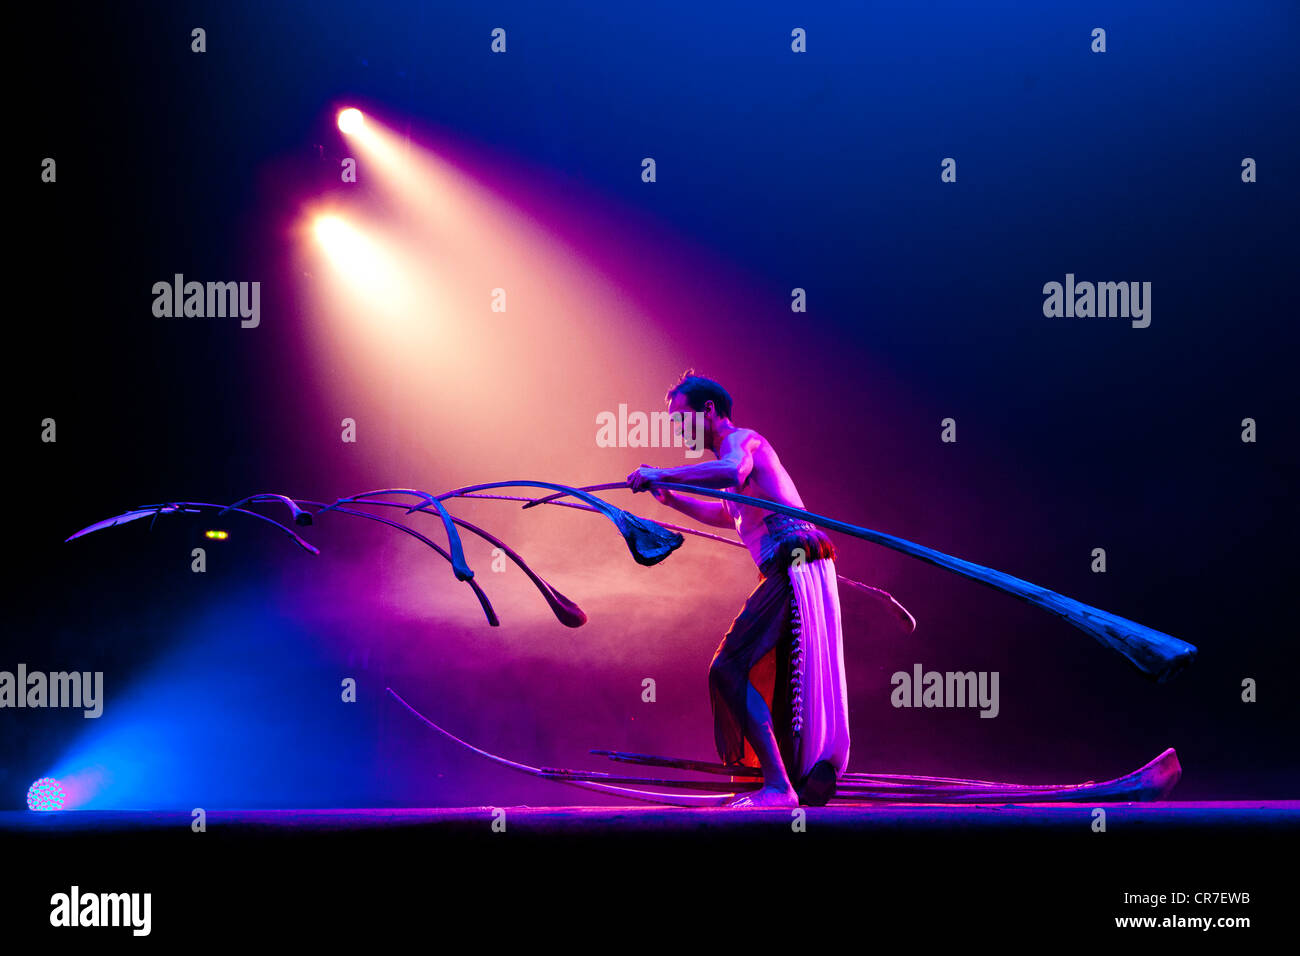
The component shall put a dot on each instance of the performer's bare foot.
(777, 790)
(771, 796)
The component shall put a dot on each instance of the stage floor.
(1165, 816)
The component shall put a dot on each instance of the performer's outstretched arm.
(709, 512)
(735, 461)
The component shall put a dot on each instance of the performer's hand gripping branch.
(735, 462)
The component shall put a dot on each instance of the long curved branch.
(1153, 652)
(643, 796)
(566, 610)
(1156, 654)
(648, 541)
(174, 506)
(458, 564)
(300, 517)
(491, 613)
(900, 613)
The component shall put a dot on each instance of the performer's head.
(694, 393)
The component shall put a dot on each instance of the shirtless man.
(808, 690)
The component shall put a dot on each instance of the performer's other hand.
(639, 479)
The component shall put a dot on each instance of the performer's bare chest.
(748, 519)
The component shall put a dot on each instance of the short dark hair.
(699, 390)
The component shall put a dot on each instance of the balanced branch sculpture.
(1155, 654)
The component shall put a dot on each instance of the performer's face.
(679, 409)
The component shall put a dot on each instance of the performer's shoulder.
(749, 437)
